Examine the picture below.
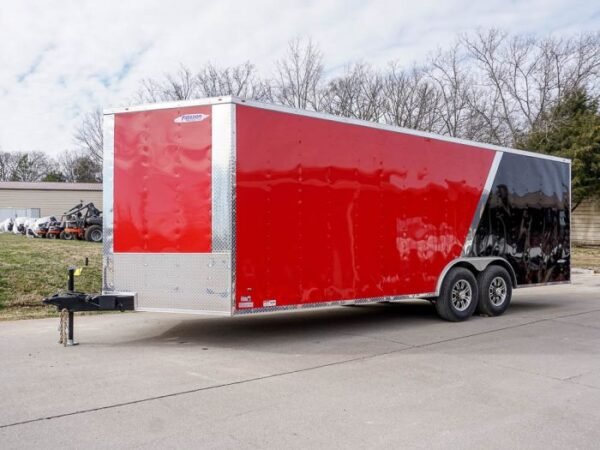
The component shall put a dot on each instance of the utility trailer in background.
(226, 206)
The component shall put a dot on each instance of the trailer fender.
(476, 265)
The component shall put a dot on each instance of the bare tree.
(210, 81)
(8, 163)
(519, 78)
(89, 135)
(358, 94)
(449, 75)
(240, 81)
(299, 76)
(410, 99)
(180, 85)
(76, 166)
(29, 166)
(67, 161)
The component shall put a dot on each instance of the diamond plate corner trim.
(232, 186)
(108, 284)
(485, 194)
(222, 129)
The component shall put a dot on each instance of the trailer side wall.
(329, 211)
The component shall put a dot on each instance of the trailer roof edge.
(301, 112)
(224, 99)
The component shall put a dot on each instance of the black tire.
(67, 236)
(458, 295)
(93, 233)
(495, 291)
(51, 236)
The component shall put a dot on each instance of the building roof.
(47, 186)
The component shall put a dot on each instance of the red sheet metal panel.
(332, 211)
(162, 181)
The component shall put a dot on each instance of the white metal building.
(45, 199)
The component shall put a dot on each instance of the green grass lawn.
(31, 269)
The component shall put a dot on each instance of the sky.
(63, 58)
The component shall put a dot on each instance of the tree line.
(535, 93)
(82, 164)
(74, 166)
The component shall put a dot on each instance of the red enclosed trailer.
(231, 207)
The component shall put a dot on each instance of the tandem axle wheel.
(462, 293)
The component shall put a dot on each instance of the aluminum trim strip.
(184, 311)
(233, 221)
(215, 254)
(313, 305)
(485, 194)
(221, 182)
(108, 202)
(570, 220)
(552, 283)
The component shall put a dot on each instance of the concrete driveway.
(384, 376)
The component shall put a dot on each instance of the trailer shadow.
(283, 327)
(326, 325)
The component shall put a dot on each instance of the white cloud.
(62, 60)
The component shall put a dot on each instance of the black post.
(71, 280)
(71, 323)
(71, 288)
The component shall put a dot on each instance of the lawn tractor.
(83, 222)
(42, 226)
(55, 228)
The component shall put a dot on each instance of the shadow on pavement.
(282, 328)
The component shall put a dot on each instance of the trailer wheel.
(495, 291)
(94, 233)
(51, 236)
(458, 295)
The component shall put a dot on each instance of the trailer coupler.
(79, 301)
(71, 301)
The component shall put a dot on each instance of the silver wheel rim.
(497, 291)
(96, 236)
(462, 295)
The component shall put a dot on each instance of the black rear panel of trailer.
(527, 219)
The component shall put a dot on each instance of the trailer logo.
(199, 117)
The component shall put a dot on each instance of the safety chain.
(62, 327)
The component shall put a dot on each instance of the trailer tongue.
(71, 301)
